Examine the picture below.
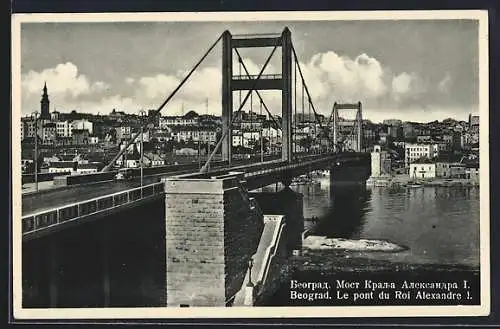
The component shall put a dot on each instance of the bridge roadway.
(49, 199)
(104, 199)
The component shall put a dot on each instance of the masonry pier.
(215, 228)
(212, 230)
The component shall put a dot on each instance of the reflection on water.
(439, 225)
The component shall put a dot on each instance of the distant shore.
(405, 181)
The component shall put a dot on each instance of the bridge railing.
(262, 77)
(59, 215)
(304, 161)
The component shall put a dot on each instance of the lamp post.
(199, 152)
(34, 115)
(142, 113)
(261, 147)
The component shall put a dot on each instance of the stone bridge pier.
(212, 230)
(214, 227)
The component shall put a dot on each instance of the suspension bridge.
(213, 225)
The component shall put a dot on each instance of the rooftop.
(63, 164)
(423, 161)
(92, 165)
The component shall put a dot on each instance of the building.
(392, 122)
(133, 160)
(49, 133)
(473, 120)
(190, 119)
(450, 169)
(155, 160)
(123, 133)
(82, 124)
(156, 117)
(161, 136)
(87, 168)
(63, 141)
(237, 138)
(422, 168)
(63, 166)
(28, 127)
(80, 137)
(415, 151)
(93, 140)
(472, 171)
(248, 125)
(380, 162)
(396, 132)
(45, 104)
(383, 138)
(409, 130)
(453, 139)
(245, 138)
(54, 116)
(369, 136)
(50, 159)
(194, 134)
(23, 124)
(63, 128)
(424, 139)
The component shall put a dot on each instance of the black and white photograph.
(250, 164)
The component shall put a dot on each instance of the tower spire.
(45, 103)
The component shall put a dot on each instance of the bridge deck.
(60, 197)
(53, 198)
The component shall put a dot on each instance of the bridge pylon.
(282, 82)
(355, 136)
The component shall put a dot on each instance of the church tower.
(44, 108)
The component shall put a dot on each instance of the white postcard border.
(255, 312)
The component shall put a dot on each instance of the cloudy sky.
(412, 70)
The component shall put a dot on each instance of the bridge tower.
(281, 82)
(355, 136)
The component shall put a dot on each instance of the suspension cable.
(295, 108)
(303, 84)
(254, 85)
(157, 112)
(239, 75)
(251, 116)
(316, 116)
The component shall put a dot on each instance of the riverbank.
(333, 262)
(406, 181)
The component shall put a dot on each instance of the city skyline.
(95, 67)
(185, 111)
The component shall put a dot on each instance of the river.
(438, 225)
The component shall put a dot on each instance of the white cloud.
(401, 84)
(348, 79)
(329, 76)
(62, 79)
(156, 86)
(99, 86)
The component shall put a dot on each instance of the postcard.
(250, 165)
